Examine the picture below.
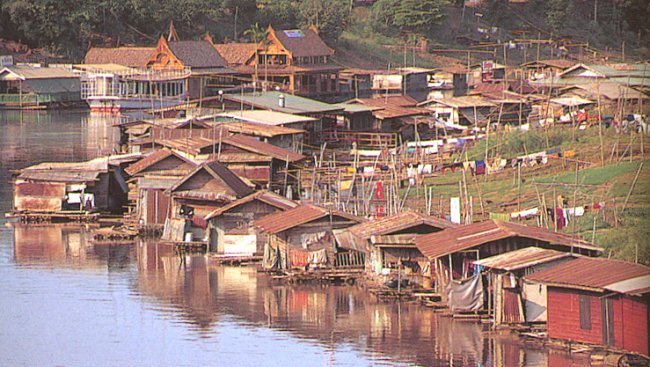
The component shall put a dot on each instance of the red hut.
(598, 301)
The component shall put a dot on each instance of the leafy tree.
(281, 14)
(412, 15)
(329, 16)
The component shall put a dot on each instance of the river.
(67, 302)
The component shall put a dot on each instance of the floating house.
(513, 300)
(303, 237)
(452, 253)
(72, 189)
(598, 301)
(206, 188)
(38, 87)
(230, 228)
(389, 244)
(150, 177)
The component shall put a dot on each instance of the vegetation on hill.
(71, 26)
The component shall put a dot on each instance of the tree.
(329, 16)
(256, 34)
(413, 15)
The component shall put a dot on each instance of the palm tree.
(256, 34)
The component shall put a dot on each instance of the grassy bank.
(622, 231)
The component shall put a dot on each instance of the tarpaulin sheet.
(466, 295)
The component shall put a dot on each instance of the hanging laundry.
(384, 167)
(578, 211)
(350, 170)
(359, 169)
(480, 167)
(500, 216)
(598, 205)
(428, 169)
(379, 194)
(465, 166)
(379, 211)
(525, 214)
(559, 218)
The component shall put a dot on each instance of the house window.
(585, 313)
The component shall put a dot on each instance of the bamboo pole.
(629, 193)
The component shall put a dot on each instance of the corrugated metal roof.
(293, 104)
(260, 147)
(268, 117)
(159, 182)
(220, 171)
(591, 273)
(460, 102)
(397, 222)
(302, 214)
(154, 158)
(556, 63)
(571, 101)
(264, 196)
(521, 258)
(465, 237)
(60, 176)
(25, 72)
(258, 129)
(636, 286)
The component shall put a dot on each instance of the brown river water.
(67, 302)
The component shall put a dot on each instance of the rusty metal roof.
(465, 237)
(397, 222)
(268, 197)
(219, 171)
(278, 222)
(259, 129)
(635, 286)
(595, 274)
(522, 258)
(260, 147)
(152, 159)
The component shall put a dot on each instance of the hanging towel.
(500, 216)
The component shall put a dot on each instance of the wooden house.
(393, 113)
(448, 81)
(389, 243)
(598, 301)
(130, 56)
(513, 300)
(412, 81)
(150, 177)
(545, 69)
(261, 163)
(452, 252)
(465, 110)
(207, 187)
(230, 228)
(70, 189)
(32, 87)
(294, 61)
(303, 237)
(205, 64)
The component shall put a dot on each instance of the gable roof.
(220, 171)
(267, 117)
(268, 197)
(152, 159)
(356, 237)
(279, 222)
(128, 56)
(302, 43)
(522, 258)
(25, 72)
(465, 237)
(395, 223)
(197, 54)
(293, 104)
(556, 63)
(596, 274)
(260, 147)
(235, 53)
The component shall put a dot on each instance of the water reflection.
(66, 245)
(141, 304)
